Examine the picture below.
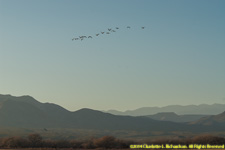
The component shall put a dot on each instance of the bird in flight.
(82, 37)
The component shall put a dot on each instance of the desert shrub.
(208, 139)
(49, 143)
(62, 144)
(105, 142)
(14, 142)
(159, 141)
(124, 143)
(1, 142)
(76, 144)
(35, 140)
(88, 144)
(202, 139)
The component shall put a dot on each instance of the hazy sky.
(179, 58)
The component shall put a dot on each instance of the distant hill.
(26, 112)
(171, 116)
(92, 119)
(203, 109)
(215, 121)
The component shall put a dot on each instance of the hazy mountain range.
(203, 109)
(26, 112)
(171, 116)
(214, 120)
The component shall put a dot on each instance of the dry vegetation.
(35, 141)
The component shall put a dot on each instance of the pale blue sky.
(179, 58)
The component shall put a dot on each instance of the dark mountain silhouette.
(26, 112)
(171, 116)
(92, 119)
(203, 109)
(213, 121)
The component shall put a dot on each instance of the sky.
(178, 59)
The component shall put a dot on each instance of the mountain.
(26, 112)
(92, 119)
(203, 109)
(215, 121)
(171, 116)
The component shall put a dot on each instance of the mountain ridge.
(202, 109)
(171, 116)
(26, 112)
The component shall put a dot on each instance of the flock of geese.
(109, 31)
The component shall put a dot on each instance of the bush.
(76, 144)
(14, 142)
(208, 139)
(106, 142)
(35, 140)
